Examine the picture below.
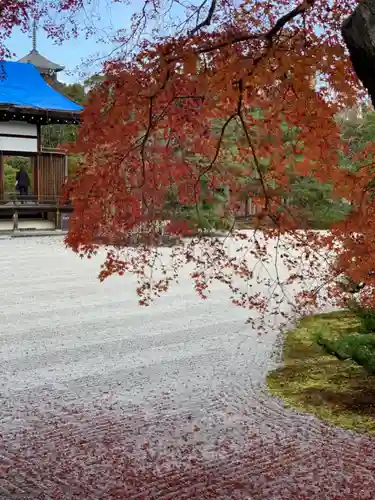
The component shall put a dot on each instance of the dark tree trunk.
(358, 31)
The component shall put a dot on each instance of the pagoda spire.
(43, 65)
(34, 34)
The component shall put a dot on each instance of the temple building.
(29, 100)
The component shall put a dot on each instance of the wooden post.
(53, 176)
(39, 137)
(1, 176)
(66, 167)
(58, 219)
(37, 160)
(36, 176)
(15, 220)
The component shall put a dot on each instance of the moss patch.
(339, 392)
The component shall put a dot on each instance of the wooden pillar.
(53, 176)
(15, 220)
(1, 176)
(39, 137)
(37, 162)
(36, 175)
(66, 167)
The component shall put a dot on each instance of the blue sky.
(72, 53)
(107, 16)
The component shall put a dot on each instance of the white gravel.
(75, 349)
(63, 330)
(59, 323)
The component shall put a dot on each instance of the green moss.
(339, 392)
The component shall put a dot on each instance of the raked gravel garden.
(103, 399)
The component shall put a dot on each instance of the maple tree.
(160, 125)
(161, 122)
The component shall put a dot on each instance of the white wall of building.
(26, 139)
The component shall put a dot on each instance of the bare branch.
(208, 19)
(268, 36)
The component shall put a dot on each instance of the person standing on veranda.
(22, 182)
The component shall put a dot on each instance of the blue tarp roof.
(22, 85)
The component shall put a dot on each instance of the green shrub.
(365, 316)
(367, 320)
(356, 347)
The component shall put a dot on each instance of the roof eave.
(56, 70)
(42, 116)
(35, 59)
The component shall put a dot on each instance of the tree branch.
(268, 36)
(208, 19)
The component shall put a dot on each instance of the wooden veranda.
(49, 172)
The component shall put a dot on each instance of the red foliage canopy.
(209, 107)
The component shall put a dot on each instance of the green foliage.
(16, 162)
(315, 203)
(93, 81)
(11, 167)
(359, 131)
(367, 320)
(312, 198)
(75, 92)
(9, 178)
(73, 164)
(365, 316)
(55, 135)
(358, 348)
(207, 213)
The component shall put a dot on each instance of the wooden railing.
(14, 198)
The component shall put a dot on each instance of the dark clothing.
(23, 183)
(23, 180)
